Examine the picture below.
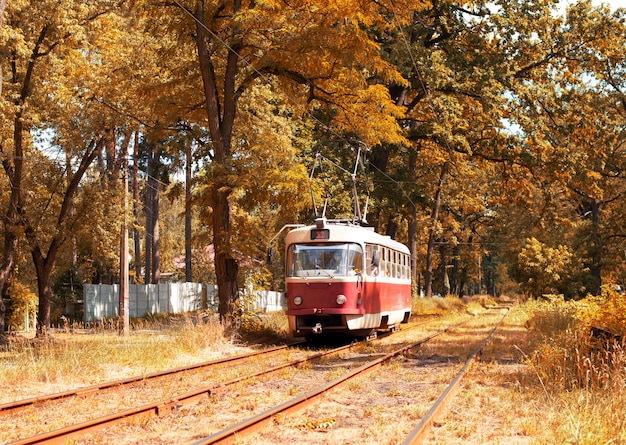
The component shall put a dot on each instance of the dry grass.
(572, 386)
(30, 367)
(582, 378)
(542, 379)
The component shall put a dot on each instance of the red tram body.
(343, 278)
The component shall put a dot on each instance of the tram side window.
(407, 266)
(355, 259)
(383, 262)
(386, 262)
(373, 259)
(396, 264)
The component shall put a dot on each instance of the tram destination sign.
(320, 234)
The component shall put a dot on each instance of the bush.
(437, 306)
(23, 304)
(608, 310)
(566, 355)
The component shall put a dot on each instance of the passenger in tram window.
(374, 270)
(336, 261)
(333, 260)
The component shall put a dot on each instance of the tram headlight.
(297, 300)
(341, 299)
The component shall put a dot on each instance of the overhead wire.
(418, 72)
(293, 101)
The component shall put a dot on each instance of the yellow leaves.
(607, 310)
(542, 267)
(373, 116)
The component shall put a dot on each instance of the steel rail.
(13, 407)
(160, 408)
(249, 426)
(164, 407)
(19, 405)
(418, 435)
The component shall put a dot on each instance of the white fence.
(102, 300)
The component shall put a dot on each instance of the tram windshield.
(324, 259)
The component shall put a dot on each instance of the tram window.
(373, 259)
(383, 262)
(324, 259)
(398, 265)
(405, 266)
(355, 259)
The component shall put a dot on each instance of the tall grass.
(89, 357)
(567, 354)
(580, 376)
(451, 305)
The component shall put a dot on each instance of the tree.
(6, 268)
(303, 44)
(569, 107)
(454, 123)
(56, 79)
(543, 269)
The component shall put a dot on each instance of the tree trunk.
(595, 250)
(443, 266)
(136, 238)
(428, 273)
(123, 295)
(45, 292)
(220, 122)
(392, 228)
(188, 173)
(14, 169)
(156, 241)
(455, 283)
(150, 191)
(412, 225)
(12, 221)
(3, 3)
(8, 268)
(44, 265)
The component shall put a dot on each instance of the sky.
(613, 4)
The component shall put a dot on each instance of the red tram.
(343, 278)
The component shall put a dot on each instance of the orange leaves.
(607, 310)
(543, 268)
(373, 116)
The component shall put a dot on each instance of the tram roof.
(341, 231)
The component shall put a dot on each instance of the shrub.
(566, 355)
(22, 306)
(437, 306)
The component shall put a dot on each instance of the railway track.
(47, 407)
(19, 405)
(216, 397)
(325, 422)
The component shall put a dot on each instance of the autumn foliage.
(580, 344)
(492, 136)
